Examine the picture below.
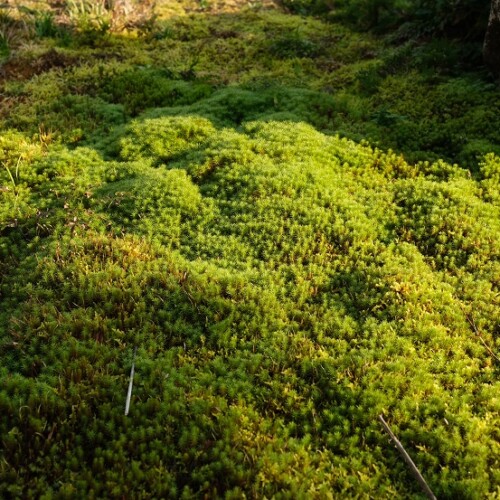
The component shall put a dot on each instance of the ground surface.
(295, 224)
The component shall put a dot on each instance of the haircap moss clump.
(162, 139)
(219, 196)
(283, 286)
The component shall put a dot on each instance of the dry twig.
(408, 460)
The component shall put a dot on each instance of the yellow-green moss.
(191, 189)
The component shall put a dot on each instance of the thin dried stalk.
(130, 384)
(408, 460)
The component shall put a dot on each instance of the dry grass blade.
(408, 460)
(130, 384)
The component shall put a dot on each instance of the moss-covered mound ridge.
(283, 288)
(217, 191)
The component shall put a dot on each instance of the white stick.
(130, 384)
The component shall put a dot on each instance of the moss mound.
(217, 191)
(283, 288)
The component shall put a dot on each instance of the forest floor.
(297, 226)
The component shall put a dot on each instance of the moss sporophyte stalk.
(296, 223)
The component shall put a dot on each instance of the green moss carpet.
(294, 248)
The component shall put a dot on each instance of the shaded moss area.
(427, 100)
(197, 193)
